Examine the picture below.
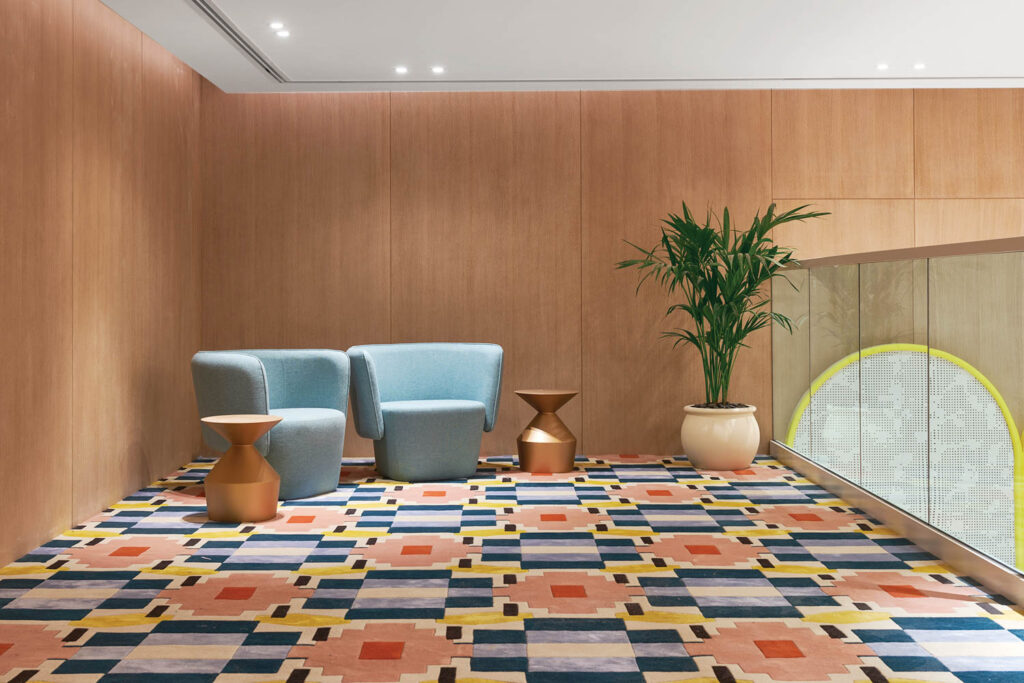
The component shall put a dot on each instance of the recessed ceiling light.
(276, 25)
(437, 69)
(283, 34)
(401, 70)
(919, 66)
(882, 66)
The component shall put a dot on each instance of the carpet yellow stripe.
(481, 618)
(847, 617)
(303, 619)
(664, 617)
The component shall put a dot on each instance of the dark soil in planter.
(721, 406)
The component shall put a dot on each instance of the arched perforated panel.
(924, 430)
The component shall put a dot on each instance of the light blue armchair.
(426, 406)
(306, 387)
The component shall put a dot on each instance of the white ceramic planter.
(720, 438)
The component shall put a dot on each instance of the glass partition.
(976, 323)
(834, 399)
(791, 361)
(894, 382)
(907, 378)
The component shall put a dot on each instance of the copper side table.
(242, 486)
(546, 445)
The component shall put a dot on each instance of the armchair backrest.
(229, 383)
(416, 372)
(305, 378)
(259, 381)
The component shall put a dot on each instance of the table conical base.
(546, 445)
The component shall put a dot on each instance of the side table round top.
(241, 429)
(546, 400)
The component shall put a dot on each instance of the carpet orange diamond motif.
(631, 568)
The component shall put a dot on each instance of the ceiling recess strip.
(234, 35)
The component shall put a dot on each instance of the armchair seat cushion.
(427, 440)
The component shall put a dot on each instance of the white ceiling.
(590, 44)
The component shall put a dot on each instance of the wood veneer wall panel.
(296, 222)
(969, 143)
(135, 297)
(947, 221)
(853, 226)
(486, 236)
(168, 258)
(843, 144)
(643, 153)
(35, 282)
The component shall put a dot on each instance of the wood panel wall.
(337, 219)
(296, 240)
(485, 230)
(899, 168)
(136, 292)
(500, 216)
(99, 287)
(35, 278)
(504, 215)
(644, 153)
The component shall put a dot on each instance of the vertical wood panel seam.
(138, 147)
(913, 159)
(771, 143)
(198, 228)
(771, 305)
(71, 219)
(391, 217)
(583, 396)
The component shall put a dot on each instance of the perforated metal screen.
(923, 432)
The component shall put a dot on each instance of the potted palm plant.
(722, 276)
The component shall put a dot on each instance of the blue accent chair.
(306, 387)
(426, 406)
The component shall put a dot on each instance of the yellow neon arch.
(1015, 437)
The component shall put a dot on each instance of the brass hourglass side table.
(546, 445)
(242, 486)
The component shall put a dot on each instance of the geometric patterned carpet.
(631, 568)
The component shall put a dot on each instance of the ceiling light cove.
(590, 45)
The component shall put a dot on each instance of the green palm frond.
(722, 274)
